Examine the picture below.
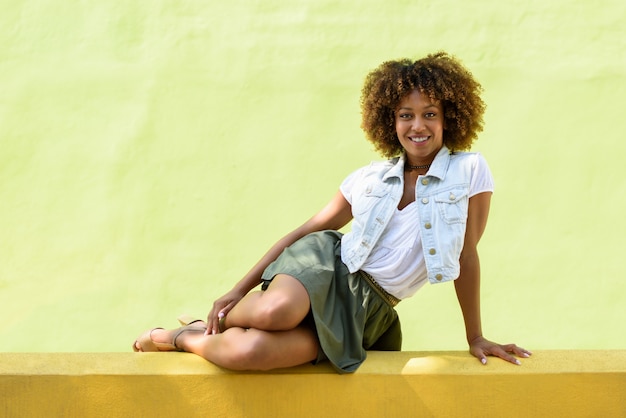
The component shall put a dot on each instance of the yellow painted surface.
(151, 151)
(402, 384)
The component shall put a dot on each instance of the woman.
(416, 218)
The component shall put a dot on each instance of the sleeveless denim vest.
(442, 196)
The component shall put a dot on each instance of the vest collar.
(438, 168)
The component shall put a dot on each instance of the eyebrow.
(410, 108)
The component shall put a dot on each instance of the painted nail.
(220, 315)
(518, 362)
(483, 360)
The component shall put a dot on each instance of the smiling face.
(419, 126)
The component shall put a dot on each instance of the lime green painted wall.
(151, 151)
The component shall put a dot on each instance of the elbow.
(469, 255)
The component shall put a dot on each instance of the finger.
(479, 354)
(220, 321)
(211, 323)
(502, 353)
(212, 327)
(221, 316)
(217, 321)
(518, 351)
(522, 352)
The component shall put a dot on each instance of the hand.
(481, 348)
(221, 307)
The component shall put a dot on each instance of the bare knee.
(283, 306)
(279, 315)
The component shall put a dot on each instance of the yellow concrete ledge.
(403, 384)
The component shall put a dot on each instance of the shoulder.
(460, 157)
(471, 161)
(473, 166)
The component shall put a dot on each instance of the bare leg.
(281, 307)
(263, 331)
(252, 349)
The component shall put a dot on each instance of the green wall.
(151, 151)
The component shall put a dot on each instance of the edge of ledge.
(377, 363)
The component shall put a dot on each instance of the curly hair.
(441, 77)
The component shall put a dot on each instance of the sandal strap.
(185, 329)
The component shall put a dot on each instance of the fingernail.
(518, 362)
(213, 332)
(483, 360)
(220, 315)
(206, 332)
(525, 355)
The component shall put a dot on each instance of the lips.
(418, 139)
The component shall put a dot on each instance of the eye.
(404, 116)
(430, 115)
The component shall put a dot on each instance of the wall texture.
(151, 151)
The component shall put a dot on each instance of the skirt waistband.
(391, 299)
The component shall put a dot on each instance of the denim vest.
(442, 196)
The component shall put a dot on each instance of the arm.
(335, 215)
(467, 286)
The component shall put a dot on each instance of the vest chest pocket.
(368, 197)
(452, 205)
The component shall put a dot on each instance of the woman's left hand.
(480, 348)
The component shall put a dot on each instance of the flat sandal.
(148, 345)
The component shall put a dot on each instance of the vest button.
(432, 251)
(439, 277)
(428, 225)
(425, 200)
(424, 182)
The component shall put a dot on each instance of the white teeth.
(420, 139)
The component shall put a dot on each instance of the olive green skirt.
(348, 314)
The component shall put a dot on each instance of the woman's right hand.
(335, 215)
(220, 309)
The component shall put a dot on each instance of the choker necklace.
(416, 167)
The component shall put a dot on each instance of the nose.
(418, 124)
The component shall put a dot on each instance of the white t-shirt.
(397, 260)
